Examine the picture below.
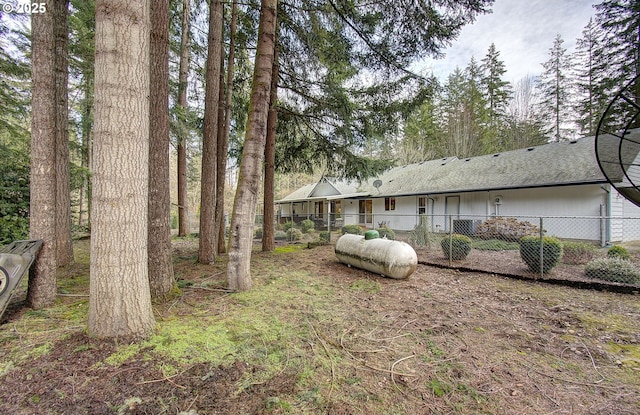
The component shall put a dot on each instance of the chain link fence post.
(541, 249)
(450, 239)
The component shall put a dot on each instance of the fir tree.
(590, 69)
(555, 89)
(620, 21)
(497, 93)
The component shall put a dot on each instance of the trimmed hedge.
(352, 229)
(387, 233)
(530, 252)
(460, 246)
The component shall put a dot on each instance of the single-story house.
(552, 180)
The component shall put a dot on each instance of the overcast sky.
(523, 32)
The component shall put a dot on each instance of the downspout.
(606, 238)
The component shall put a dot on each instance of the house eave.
(491, 189)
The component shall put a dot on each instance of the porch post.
(329, 218)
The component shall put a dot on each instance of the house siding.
(625, 225)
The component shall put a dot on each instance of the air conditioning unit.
(497, 200)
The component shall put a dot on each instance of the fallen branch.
(166, 378)
(394, 365)
(199, 287)
(574, 382)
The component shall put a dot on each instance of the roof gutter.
(490, 189)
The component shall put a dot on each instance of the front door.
(319, 213)
(366, 212)
(425, 211)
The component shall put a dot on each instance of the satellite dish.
(377, 183)
(618, 144)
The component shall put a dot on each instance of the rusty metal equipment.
(15, 260)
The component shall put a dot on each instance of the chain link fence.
(594, 249)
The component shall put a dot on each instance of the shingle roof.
(553, 164)
(307, 192)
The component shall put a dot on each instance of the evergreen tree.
(331, 110)
(423, 136)
(14, 137)
(555, 89)
(497, 94)
(461, 102)
(620, 21)
(590, 69)
(81, 80)
(475, 116)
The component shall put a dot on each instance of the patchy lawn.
(317, 337)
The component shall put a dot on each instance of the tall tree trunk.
(268, 237)
(244, 207)
(120, 301)
(183, 73)
(218, 219)
(208, 233)
(159, 246)
(42, 283)
(63, 191)
(223, 139)
(85, 191)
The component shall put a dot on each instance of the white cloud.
(523, 32)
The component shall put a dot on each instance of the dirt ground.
(347, 342)
(508, 263)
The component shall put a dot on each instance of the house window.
(422, 205)
(389, 203)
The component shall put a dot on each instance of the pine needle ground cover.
(317, 337)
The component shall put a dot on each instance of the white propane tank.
(393, 259)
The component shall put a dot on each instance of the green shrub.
(307, 225)
(352, 229)
(613, 269)
(280, 236)
(617, 251)
(577, 253)
(13, 228)
(421, 235)
(294, 234)
(325, 236)
(387, 233)
(506, 229)
(257, 233)
(458, 245)
(530, 252)
(288, 225)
